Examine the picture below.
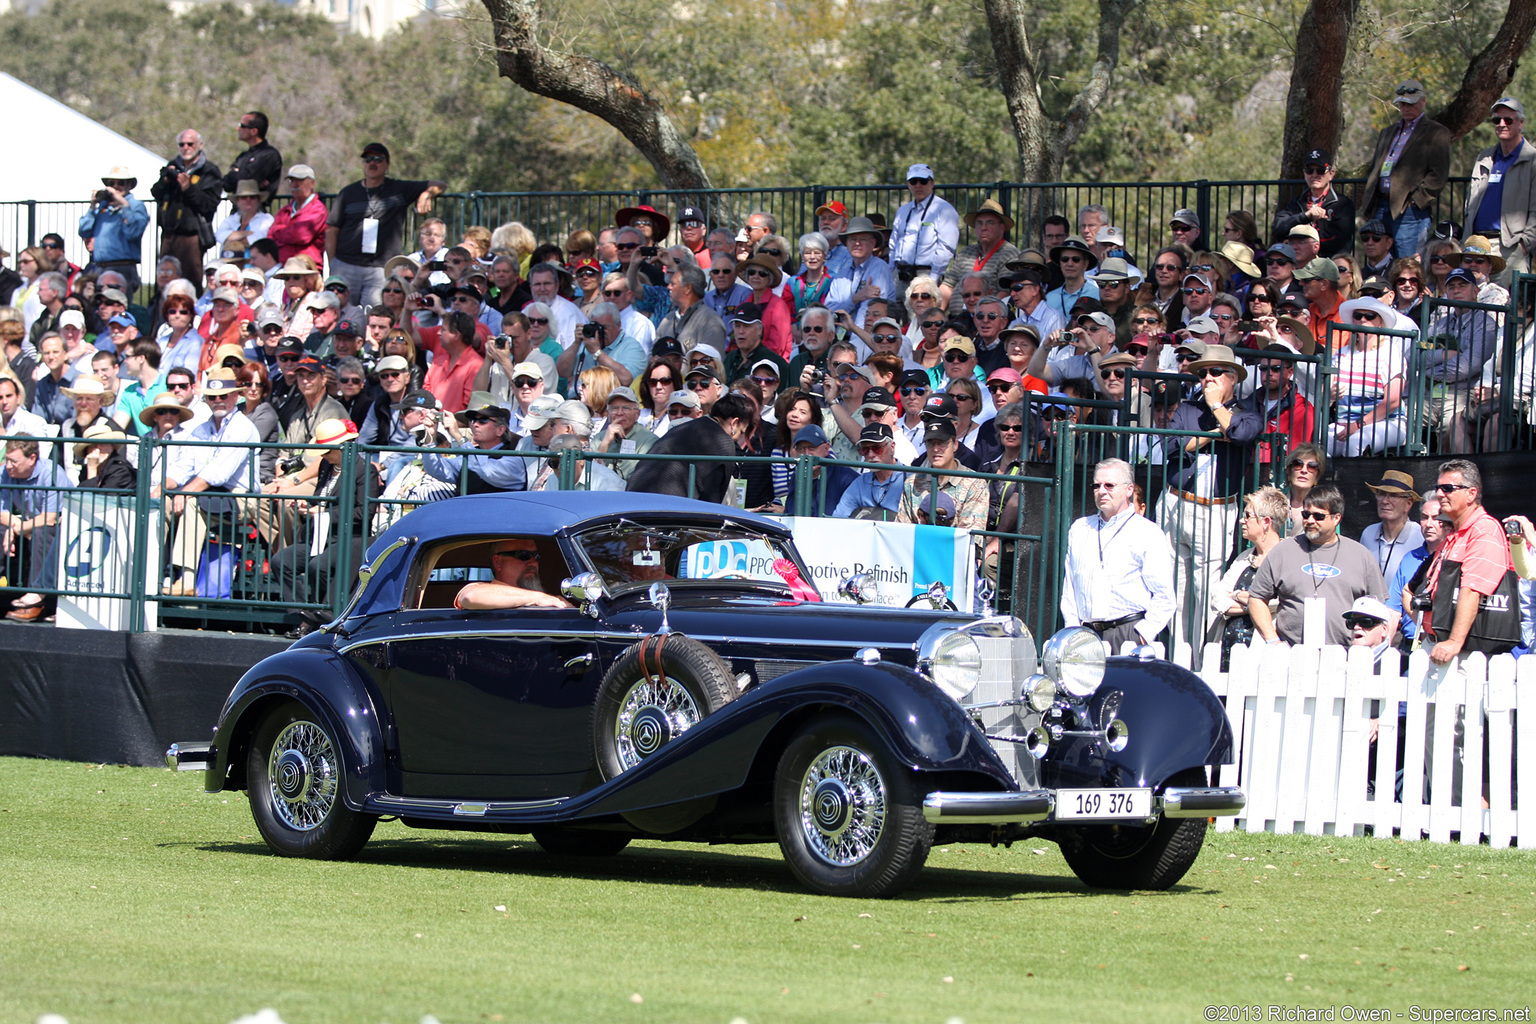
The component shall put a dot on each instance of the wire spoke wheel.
(651, 714)
(301, 773)
(842, 806)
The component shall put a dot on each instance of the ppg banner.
(904, 559)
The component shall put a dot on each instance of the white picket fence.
(1302, 719)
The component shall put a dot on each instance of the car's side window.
(441, 571)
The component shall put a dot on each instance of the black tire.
(848, 815)
(635, 715)
(1147, 857)
(575, 842)
(293, 779)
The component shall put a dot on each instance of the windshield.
(635, 554)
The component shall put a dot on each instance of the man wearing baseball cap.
(298, 227)
(926, 231)
(367, 221)
(1322, 206)
(693, 230)
(827, 483)
(831, 219)
(1407, 170)
(1501, 201)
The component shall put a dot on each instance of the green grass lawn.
(128, 894)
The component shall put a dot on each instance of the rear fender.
(329, 687)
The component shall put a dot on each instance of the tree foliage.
(793, 92)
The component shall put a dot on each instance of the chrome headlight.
(1074, 657)
(954, 663)
(1038, 691)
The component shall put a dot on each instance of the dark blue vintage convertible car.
(696, 688)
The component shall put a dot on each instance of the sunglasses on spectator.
(1277, 261)
(887, 339)
(1313, 466)
(932, 325)
(1054, 414)
(1451, 488)
(1222, 316)
(961, 396)
(184, 386)
(1186, 357)
(1167, 268)
(288, 358)
(755, 272)
(526, 382)
(1000, 385)
(350, 380)
(922, 295)
(1402, 281)
(539, 320)
(913, 389)
(955, 356)
(1476, 261)
(1361, 622)
(986, 316)
(1215, 371)
(1272, 368)
(373, 159)
(1011, 428)
(627, 245)
(1315, 517)
(717, 273)
(1137, 350)
(393, 291)
(1068, 257)
(1144, 320)
(1117, 374)
(1176, 226)
(1365, 316)
(1371, 236)
(336, 288)
(764, 381)
(771, 252)
(1501, 119)
(479, 418)
(657, 382)
(390, 374)
(1196, 290)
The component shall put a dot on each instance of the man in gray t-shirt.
(1320, 565)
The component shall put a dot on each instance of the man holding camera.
(188, 194)
(926, 230)
(115, 225)
(602, 343)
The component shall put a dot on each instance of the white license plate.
(1073, 804)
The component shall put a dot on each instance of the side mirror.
(584, 590)
(860, 588)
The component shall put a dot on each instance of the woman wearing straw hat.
(307, 570)
(1369, 381)
(103, 463)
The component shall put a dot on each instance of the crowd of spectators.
(297, 320)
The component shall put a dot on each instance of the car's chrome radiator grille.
(1005, 662)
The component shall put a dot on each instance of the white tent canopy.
(63, 184)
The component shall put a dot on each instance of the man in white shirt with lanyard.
(1119, 579)
(926, 231)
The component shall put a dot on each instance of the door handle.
(581, 661)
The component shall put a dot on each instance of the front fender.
(329, 686)
(924, 728)
(1173, 719)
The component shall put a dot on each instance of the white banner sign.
(904, 559)
(95, 557)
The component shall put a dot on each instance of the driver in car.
(517, 583)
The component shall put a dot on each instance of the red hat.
(661, 224)
(586, 264)
(833, 207)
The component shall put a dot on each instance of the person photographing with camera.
(115, 224)
(188, 194)
(601, 342)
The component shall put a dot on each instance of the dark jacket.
(1418, 176)
(185, 211)
(114, 474)
(703, 436)
(1336, 234)
(262, 163)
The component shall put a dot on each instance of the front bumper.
(189, 757)
(1039, 804)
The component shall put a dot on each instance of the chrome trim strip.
(584, 634)
(988, 808)
(189, 757)
(1199, 802)
(462, 807)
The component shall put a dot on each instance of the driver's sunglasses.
(521, 554)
